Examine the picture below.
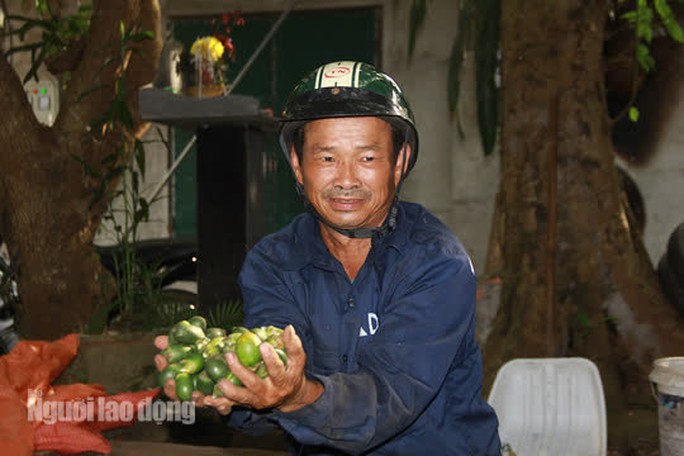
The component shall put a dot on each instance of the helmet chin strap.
(358, 233)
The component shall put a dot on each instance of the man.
(377, 296)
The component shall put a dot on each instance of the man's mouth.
(346, 204)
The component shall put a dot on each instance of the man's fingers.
(291, 340)
(161, 342)
(246, 376)
(160, 362)
(296, 358)
(198, 398)
(236, 394)
(274, 365)
(222, 405)
(170, 389)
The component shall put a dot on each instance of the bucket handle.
(654, 390)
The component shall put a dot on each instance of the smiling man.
(378, 296)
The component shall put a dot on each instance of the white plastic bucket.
(667, 380)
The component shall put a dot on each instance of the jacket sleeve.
(267, 301)
(427, 327)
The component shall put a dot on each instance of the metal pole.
(236, 81)
(261, 47)
(171, 170)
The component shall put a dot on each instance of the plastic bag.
(66, 419)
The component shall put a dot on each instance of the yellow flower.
(208, 48)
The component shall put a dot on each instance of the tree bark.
(49, 217)
(576, 280)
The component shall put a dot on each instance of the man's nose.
(346, 175)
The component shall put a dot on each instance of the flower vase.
(207, 80)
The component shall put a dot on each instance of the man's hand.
(286, 387)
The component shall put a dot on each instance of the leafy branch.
(57, 33)
(478, 30)
(646, 24)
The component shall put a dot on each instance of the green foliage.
(478, 30)
(136, 287)
(170, 306)
(646, 19)
(416, 19)
(645, 22)
(583, 326)
(487, 64)
(226, 315)
(56, 33)
(138, 284)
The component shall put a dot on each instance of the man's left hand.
(286, 387)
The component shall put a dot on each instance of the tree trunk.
(576, 280)
(49, 211)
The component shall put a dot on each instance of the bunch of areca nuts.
(196, 355)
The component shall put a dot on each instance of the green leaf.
(583, 319)
(43, 6)
(458, 49)
(140, 156)
(669, 20)
(142, 214)
(486, 57)
(142, 36)
(675, 31)
(454, 75)
(633, 113)
(645, 58)
(416, 20)
(135, 182)
(226, 314)
(114, 172)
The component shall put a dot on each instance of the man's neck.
(350, 252)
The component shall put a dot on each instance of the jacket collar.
(311, 248)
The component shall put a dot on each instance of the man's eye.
(327, 158)
(368, 158)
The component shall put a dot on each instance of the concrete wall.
(157, 162)
(661, 181)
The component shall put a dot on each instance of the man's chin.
(345, 223)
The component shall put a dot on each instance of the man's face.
(348, 170)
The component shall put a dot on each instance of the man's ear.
(403, 160)
(296, 166)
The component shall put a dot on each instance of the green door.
(305, 40)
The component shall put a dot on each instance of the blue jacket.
(394, 349)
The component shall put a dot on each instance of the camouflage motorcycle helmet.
(348, 89)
